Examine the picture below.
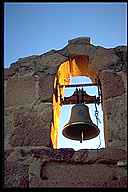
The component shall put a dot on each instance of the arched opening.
(75, 66)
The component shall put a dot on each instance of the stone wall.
(28, 105)
(46, 167)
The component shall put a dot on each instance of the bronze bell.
(80, 126)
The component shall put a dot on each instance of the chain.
(97, 115)
(97, 120)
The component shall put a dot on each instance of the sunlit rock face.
(32, 110)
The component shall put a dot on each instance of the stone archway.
(76, 66)
(86, 59)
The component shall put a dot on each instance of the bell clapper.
(81, 137)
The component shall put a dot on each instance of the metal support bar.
(79, 85)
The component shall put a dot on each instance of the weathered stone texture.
(31, 129)
(45, 167)
(121, 51)
(16, 175)
(8, 126)
(27, 126)
(108, 155)
(87, 167)
(83, 156)
(81, 49)
(29, 160)
(50, 59)
(124, 79)
(80, 40)
(62, 171)
(113, 85)
(8, 73)
(116, 110)
(20, 92)
(121, 183)
(103, 58)
(46, 155)
(46, 83)
(22, 67)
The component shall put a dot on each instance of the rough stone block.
(81, 49)
(112, 85)
(20, 91)
(121, 51)
(117, 183)
(31, 127)
(61, 168)
(15, 155)
(7, 153)
(8, 121)
(107, 155)
(80, 155)
(111, 155)
(16, 175)
(51, 59)
(8, 73)
(46, 84)
(104, 58)
(34, 169)
(49, 154)
(62, 174)
(78, 40)
(116, 110)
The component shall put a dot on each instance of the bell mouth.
(74, 131)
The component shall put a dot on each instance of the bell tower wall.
(31, 117)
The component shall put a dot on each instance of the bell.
(80, 126)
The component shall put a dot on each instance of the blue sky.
(35, 28)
